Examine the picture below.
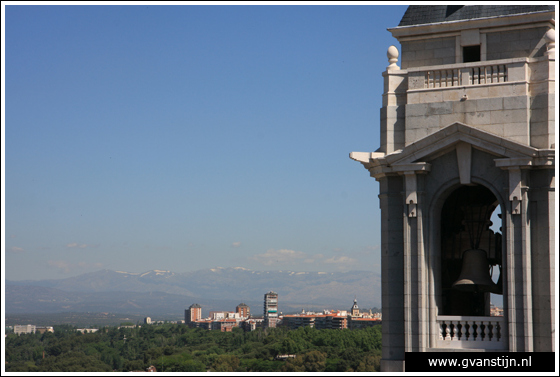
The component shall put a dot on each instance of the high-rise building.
(243, 310)
(193, 314)
(270, 309)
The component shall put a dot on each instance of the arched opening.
(471, 252)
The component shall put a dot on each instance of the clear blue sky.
(189, 137)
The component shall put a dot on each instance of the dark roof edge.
(469, 19)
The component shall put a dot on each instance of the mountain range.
(168, 293)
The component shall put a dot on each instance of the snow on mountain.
(295, 289)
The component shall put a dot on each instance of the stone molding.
(413, 156)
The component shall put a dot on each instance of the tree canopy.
(177, 348)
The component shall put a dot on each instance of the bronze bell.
(475, 275)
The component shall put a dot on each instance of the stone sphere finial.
(393, 56)
(550, 38)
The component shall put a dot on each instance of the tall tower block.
(270, 309)
(193, 314)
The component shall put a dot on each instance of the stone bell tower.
(467, 131)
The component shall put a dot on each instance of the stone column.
(392, 273)
(518, 256)
(542, 213)
(415, 266)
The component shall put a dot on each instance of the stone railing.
(487, 74)
(442, 78)
(467, 74)
(483, 74)
(471, 332)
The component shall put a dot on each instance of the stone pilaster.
(392, 267)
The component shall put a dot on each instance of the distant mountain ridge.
(171, 292)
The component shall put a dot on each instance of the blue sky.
(189, 137)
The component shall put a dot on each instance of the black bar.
(479, 361)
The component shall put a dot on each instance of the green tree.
(312, 361)
(225, 363)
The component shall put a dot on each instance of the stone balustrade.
(471, 332)
(487, 74)
(468, 74)
(482, 74)
(442, 78)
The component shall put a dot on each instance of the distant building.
(270, 309)
(218, 315)
(224, 325)
(24, 329)
(284, 357)
(355, 310)
(148, 321)
(249, 325)
(496, 311)
(327, 320)
(293, 321)
(202, 323)
(44, 329)
(243, 310)
(361, 323)
(85, 331)
(193, 314)
(333, 322)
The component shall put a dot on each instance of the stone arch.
(435, 207)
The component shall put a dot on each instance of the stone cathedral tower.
(467, 132)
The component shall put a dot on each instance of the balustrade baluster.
(490, 331)
(483, 331)
(476, 331)
(454, 333)
(497, 332)
(502, 73)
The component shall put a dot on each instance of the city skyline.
(190, 137)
